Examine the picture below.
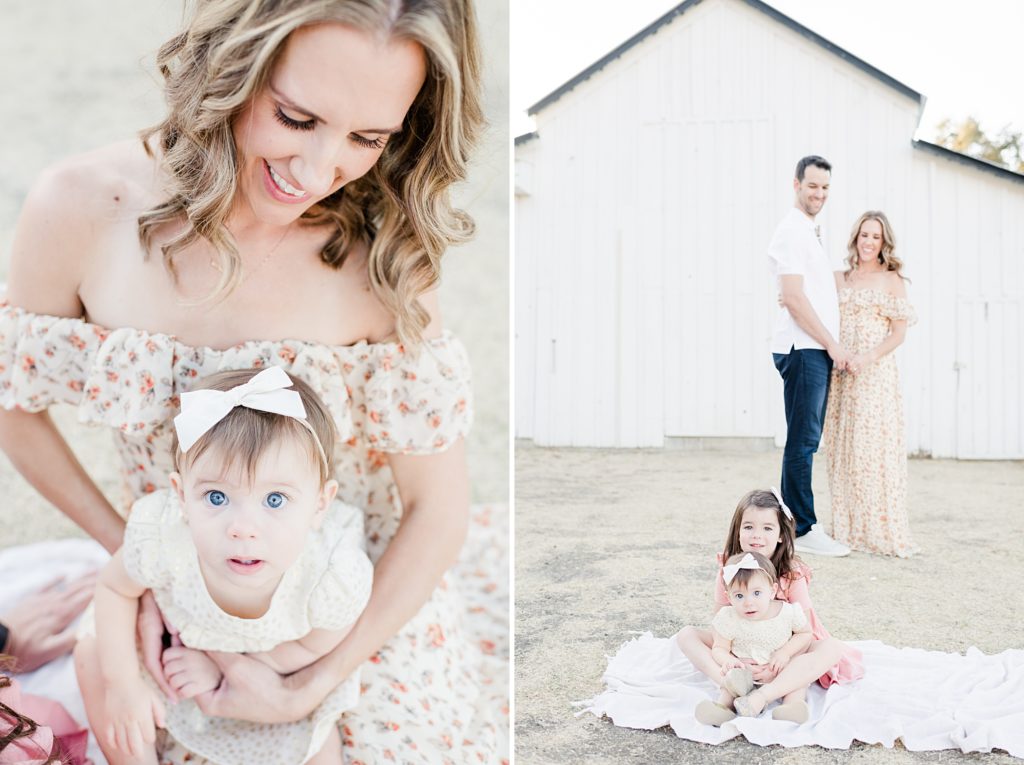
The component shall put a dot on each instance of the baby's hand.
(779, 660)
(732, 663)
(190, 672)
(134, 712)
(763, 673)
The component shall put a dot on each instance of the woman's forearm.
(39, 452)
(892, 341)
(426, 545)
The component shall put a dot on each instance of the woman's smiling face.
(759, 530)
(333, 100)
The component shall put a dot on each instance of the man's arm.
(795, 301)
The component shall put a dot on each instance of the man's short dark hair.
(814, 160)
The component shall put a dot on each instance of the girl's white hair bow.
(785, 509)
(748, 561)
(202, 409)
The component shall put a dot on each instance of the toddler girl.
(763, 524)
(758, 628)
(246, 553)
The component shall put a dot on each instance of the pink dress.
(793, 589)
(55, 727)
(437, 691)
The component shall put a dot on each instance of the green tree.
(966, 136)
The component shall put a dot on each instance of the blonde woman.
(291, 209)
(864, 431)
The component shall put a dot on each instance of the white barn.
(645, 201)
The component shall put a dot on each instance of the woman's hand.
(860, 362)
(190, 672)
(250, 690)
(150, 628)
(39, 625)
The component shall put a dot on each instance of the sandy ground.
(609, 541)
(79, 75)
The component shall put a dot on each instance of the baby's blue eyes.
(216, 498)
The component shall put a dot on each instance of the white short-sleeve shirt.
(796, 250)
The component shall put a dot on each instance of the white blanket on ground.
(21, 573)
(930, 700)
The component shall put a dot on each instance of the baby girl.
(755, 629)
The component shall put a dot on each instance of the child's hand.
(763, 673)
(134, 711)
(190, 672)
(732, 663)
(779, 660)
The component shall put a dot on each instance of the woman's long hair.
(401, 208)
(886, 255)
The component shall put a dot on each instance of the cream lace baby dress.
(757, 640)
(326, 588)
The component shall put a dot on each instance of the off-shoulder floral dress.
(437, 691)
(864, 433)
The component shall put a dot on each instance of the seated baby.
(759, 629)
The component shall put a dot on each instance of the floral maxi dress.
(864, 432)
(435, 693)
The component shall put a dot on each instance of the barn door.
(990, 385)
(719, 380)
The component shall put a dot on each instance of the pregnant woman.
(864, 432)
(291, 210)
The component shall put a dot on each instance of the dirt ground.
(610, 541)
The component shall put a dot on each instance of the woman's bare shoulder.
(72, 208)
(377, 319)
(895, 285)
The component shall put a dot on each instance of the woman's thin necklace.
(217, 267)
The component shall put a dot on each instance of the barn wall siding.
(644, 308)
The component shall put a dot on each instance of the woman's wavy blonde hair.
(887, 255)
(401, 208)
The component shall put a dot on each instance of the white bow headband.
(788, 513)
(202, 409)
(747, 561)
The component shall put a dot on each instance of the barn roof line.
(967, 159)
(679, 10)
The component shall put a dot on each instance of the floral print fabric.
(436, 692)
(864, 432)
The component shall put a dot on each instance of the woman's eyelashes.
(293, 124)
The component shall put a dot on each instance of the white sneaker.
(817, 542)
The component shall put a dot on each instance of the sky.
(964, 57)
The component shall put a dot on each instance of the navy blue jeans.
(805, 379)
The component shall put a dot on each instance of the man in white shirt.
(804, 345)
